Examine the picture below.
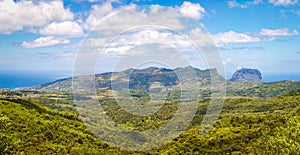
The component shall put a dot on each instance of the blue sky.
(43, 37)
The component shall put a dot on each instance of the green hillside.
(245, 126)
(28, 128)
(261, 90)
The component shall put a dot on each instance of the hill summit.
(247, 75)
(135, 78)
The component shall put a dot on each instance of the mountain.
(143, 80)
(137, 79)
(247, 75)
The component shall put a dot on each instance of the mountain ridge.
(137, 77)
(143, 79)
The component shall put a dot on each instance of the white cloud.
(113, 1)
(138, 27)
(130, 17)
(97, 14)
(278, 32)
(92, 1)
(235, 4)
(15, 16)
(101, 12)
(283, 2)
(233, 37)
(58, 55)
(138, 38)
(226, 61)
(257, 2)
(195, 11)
(224, 39)
(134, 16)
(123, 44)
(200, 37)
(66, 28)
(95, 42)
(45, 41)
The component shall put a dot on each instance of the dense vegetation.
(48, 125)
(261, 90)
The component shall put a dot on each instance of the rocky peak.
(246, 75)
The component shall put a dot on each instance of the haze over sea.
(13, 80)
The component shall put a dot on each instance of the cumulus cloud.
(225, 38)
(58, 55)
(15, 16)
(45, 41)
(167, 15)
(143, 27)
(195, 11)
(122, 44)
(131, 33)
(233, 37)
(235, 4)
(283, 2)
(271, 35)
(278, 32)
(65, 28)
(257, 2)
(92, 1)
(226, 61)
(97, 14)
(133, 17)
(112, 1)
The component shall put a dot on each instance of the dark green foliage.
(245, 126)
(139, 123)
(26, 127)
(261, 90)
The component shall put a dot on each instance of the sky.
(47, 37)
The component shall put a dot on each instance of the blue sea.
(19, 80)
(278, 77)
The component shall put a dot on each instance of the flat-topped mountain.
(137, 78)
(247, 75)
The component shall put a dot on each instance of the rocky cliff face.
(246, 75)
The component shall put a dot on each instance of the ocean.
(19, 80)
(279, 77)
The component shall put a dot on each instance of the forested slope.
(259, 126)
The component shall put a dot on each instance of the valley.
(256, 118)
